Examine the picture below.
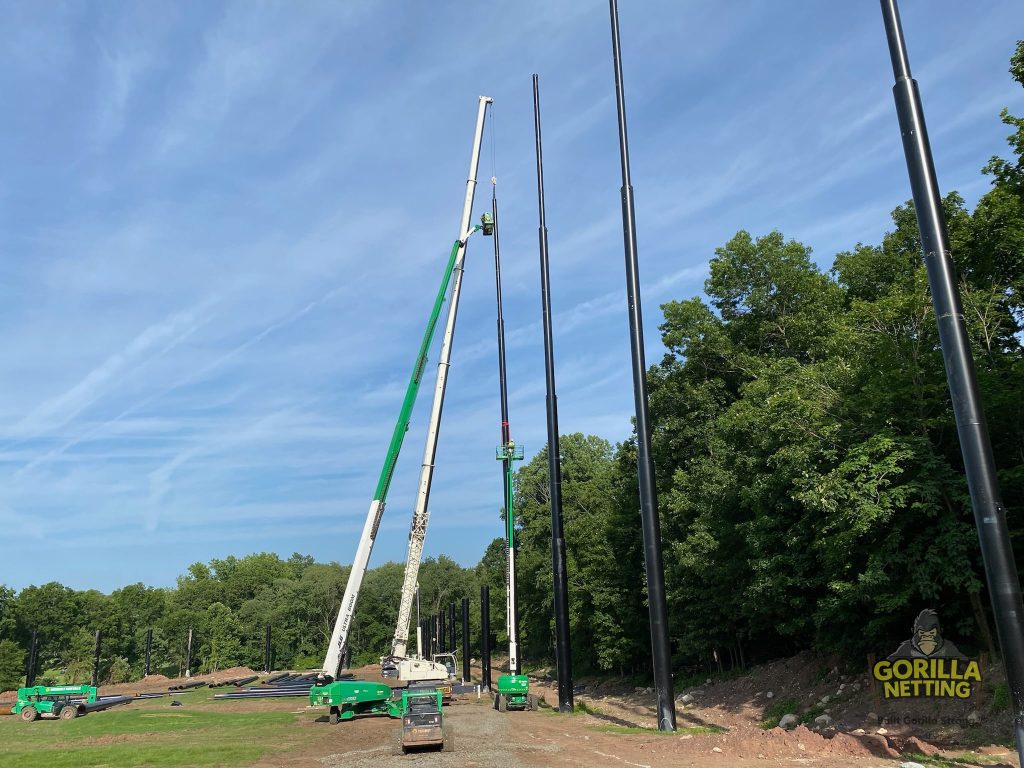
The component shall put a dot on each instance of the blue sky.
(222, 225)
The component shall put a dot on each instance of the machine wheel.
(334, 716)
(68, 712)
(502, 703)
(531, 703)
(448, 745)
(28, 714)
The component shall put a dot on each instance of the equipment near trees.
(64, 701)
(418, 529)
(348, 698)
(338, 645)
(514, 693)
(423, 723)
(513, 689)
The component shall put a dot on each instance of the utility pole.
(188, 655)
(96, 658)
(563, 649)
(661, 654)
(485, 636)
(465, 640)
(266, 651)
(30, 668)
(451, 628)
(975, 445)
(507, 452)
(149, 650)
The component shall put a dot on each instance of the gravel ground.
(482, 738)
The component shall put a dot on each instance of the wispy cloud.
(224, 224)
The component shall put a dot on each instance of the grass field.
(150, 733)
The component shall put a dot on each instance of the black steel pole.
(506, 430)
(451, 628)
(661, 654)
(485, 636)
(563, 648)
(149, 650)
(441, 635)
(188, 654)
(975, 446)
(96, 658)
(30, 668)
(465, 640)
(266, 650)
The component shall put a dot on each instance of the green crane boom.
(339, 638)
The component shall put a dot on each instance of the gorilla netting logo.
(927, 665)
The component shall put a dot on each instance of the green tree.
(12, 665)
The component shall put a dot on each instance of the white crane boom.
(339, 637)
(418, 530)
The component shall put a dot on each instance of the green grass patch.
(776, 711)
(146, 734)
(626, 729)
(967, 758)
(810, 714)
(586, 709)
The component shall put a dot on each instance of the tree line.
(811, 488)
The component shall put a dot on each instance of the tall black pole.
(441, 635)
(485, 636)
(188, 654)
(30, 668)
(660, 651)
(979, 465)
(149, 650)
(96, 658)
(266, 650)
(506, 430)
(563, 649)
(451, 628)
(465, 640)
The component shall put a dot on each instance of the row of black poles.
(563, 652)
(975, 445)
(31, 664)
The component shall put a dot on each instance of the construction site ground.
(721, 726)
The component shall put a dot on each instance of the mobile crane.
(418, 530)
(453, 274)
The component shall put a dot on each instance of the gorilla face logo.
(927, 640)
(927, 632)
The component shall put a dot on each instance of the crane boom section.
(418, 529)
(339, 637)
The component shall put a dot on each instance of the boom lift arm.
(418, 530)
(339, 638)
